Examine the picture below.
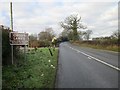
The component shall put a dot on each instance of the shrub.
(6, 48)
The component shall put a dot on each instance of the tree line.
(70, 32)
(71, 24)
(43, 39)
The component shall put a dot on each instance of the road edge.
(56, 74)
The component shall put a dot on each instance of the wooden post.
(11, 27)
(50, 51)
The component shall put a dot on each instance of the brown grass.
(98, 46)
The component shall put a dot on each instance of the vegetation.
(43, 39)
(70, 33)
(6, 48)
(37, 71)
(105, 43)
(71, 24)
(86, 34)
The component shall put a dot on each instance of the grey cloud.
(33, 19)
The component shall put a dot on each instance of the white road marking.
(89, 58)
(101, 61)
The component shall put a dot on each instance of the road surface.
(80, 67)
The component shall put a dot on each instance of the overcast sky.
(100, 16)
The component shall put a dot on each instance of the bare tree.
(32, 37)
(81, 34)
(48, 34)
(33, 40)
(116, 34)
(73, 22)
(87, 34)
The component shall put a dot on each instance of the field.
(37, 71)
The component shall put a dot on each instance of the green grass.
(34, 72)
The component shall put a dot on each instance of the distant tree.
(73, 22)
(32, 37)
(48, 34)
(81, 34)
(116, 34)
(70, 35)
(42, 35)
(116, 37)
(33, 40)
(87, 34)
(62, 38)
(64, 33)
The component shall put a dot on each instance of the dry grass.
(98, 46)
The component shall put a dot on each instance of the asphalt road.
(80, 67)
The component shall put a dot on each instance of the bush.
(108, 44)
(6, 48)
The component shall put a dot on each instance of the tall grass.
(37, 71)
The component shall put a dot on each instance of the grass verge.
(37, 71)
(102, 47)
